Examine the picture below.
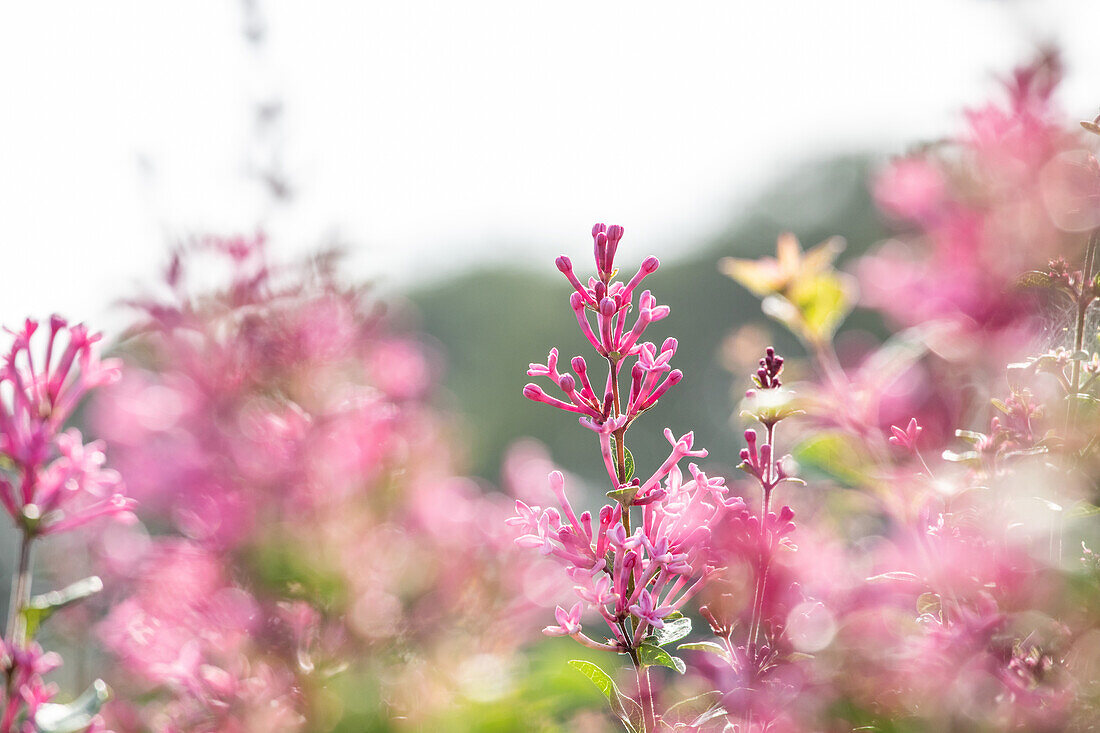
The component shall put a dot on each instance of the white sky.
(430, 135)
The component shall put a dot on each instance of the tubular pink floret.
(648, 267)
(566, 267)
(671, 380)
(645, 317)
(568, 386)
(636, 374)
(557, 485)
(577, 302)
(599, 251)
(614, 234)
(607, 310)
(535, 393)
(581, 369)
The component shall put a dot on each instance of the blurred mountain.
(493, 322)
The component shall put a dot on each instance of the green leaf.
(1083, 509)
(695, 711)
(824, 302)
(624, 496)
(1084, 399)
(654, 656)
(707, 646)
(628, 459)
(599, 678)
(673, 630)
(836, 455)
(75, 716)
(1035, 279)
(622, 706)
(40, 608)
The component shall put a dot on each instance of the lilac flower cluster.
(634, 577)
(58, 482)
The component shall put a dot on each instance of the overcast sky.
(428, 135)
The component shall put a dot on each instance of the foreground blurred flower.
(313, 535)
(50, 482)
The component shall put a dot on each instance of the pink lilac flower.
(968, 208)
(906, 438)
(633, 576)
(60, 483)
(279, 434)
(569, 622)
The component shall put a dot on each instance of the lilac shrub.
(316, 559)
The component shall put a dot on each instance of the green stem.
(645, 698)
(1084, 299)
(20, 593)
(762, 576)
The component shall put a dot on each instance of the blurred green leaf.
(823, 303)
(836, 455)
(707, 646)
(1035, 279)
(695, 711)
(654, 656)
(75, 716)
(1083, 509)
(41, 607)
(674, 630)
